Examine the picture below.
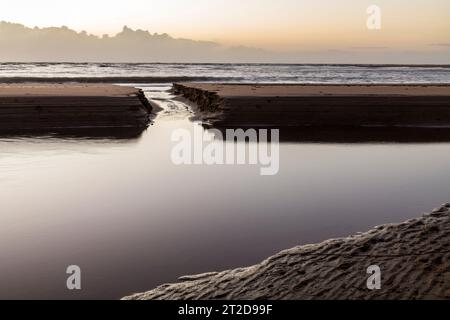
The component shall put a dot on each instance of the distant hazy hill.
(20, 43)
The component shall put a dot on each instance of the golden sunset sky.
(270, 24)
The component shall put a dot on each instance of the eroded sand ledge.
(71, 106)
(268, 105)
(414, 257)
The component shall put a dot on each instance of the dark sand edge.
(287, 105)
(414, 258)
(41, 107)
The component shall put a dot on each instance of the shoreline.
(34, 107)
(414, 257)
(290, 105)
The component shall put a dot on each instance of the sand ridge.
(289, 105)
(65, 90)
(50, 107)
(414, 258)
(302, 90)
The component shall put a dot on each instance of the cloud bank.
(19, 43)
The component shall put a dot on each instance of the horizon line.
(379, 65)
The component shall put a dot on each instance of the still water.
(132, 220)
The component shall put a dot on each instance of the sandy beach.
(71, 106)
(414, 258)
(263, 105)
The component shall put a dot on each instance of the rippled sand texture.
(414, 258)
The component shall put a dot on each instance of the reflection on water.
(317, 134)
(132, 220)
(100, 134)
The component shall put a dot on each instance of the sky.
(270, 24)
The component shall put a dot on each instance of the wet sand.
(55, 106)
(414, 258)
(231, 105)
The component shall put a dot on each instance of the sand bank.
(414, 258)
(55, 106)
(232, 105)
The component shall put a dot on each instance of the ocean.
(241, 73)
